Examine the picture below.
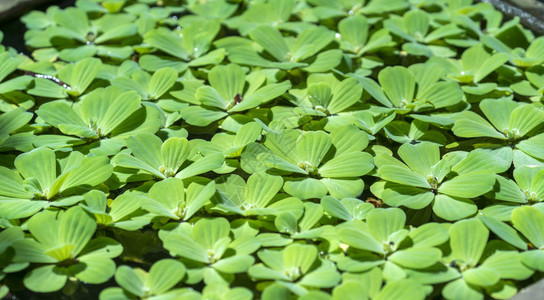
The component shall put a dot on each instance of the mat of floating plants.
(280, 149)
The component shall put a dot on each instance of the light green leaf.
(453, 208)
(384, 222)
(344, 95)
(481, 276)
(84, 73)
(164, 275)
(97, 269)
(184, 246)
(398, 83)
(359, 239)
(202, 165)
(45, 279)
(399, 289)
(428, 235)
(468, 185)
(420, 157)
(228, 80)
(166, 41)
(76, 228)
(261, 188)
(460, 289)
(174, 152)
(416, 258)
(271, 40)
(197, 196)
(530, 222)
(468, 239)
(39, 163)
(127, 278)
(161, 81)
(307, 188)
(403, 175)
(299, 256)
(120, 109)
(503, 231)
(234, 264)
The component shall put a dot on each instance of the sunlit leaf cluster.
(272, 149)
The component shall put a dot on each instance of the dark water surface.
(14, 29)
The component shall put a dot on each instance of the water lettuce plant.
(271, 149)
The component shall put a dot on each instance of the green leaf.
(324, 277)
(261, 188)
(533, 259)
(310, 41)
(489, 65)
(312, 147)
(420, 157)
(453, 208)
(498, 111)
(286, 222)
(234, 264)
(174, 152)
(12, 184)
(298, 256)
(261, 96)
(164, 275)
(247, 133)
(468, 185)
(460, 289)
(184, 246)
(208, 232)
(359, 239)
(467, 240)
(83, 74)
(335, 208)
(228, 80)
(127, 278)
(398, 84)
(416, 258)
(400, 289)
(505, 232)
(76, 228)
(508, 264)
(45, 279)
(168, 193)
(210, 97)
(39, 163)
(384, 222)
(161, 81)
(197, 196)
(305, 188)
(481, 276)
(324, 61)
(166, 41)
(354, 32)
(472, 125)
(120, 109)
(429, 235)
(524, 118)
(97, 269)
(92, 171)
(533, 146)
(271, 40)
(344, 95)
(403, 175)
(530, 222)
(411, 197)
(73, 18)
(202, 165)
